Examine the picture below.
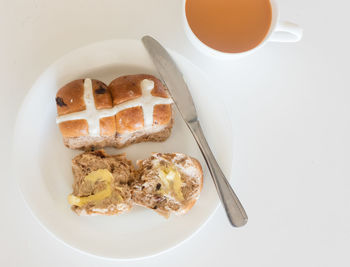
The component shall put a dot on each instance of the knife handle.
(233, 207)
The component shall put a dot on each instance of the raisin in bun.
(168, 183)
(132, 109)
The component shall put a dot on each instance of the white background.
(290, 108)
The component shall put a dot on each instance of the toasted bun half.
(168, 183)
(101, 184)
(108, 184)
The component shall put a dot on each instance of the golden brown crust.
(129, 120)
(74, 128)
(70, 98)
(102, 95)
(78, 128)
(128, 87)
(125, 88)
(107, 126)
(162, 114)
(159, 89)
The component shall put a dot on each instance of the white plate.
(42, 163)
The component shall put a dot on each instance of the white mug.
(279, 32)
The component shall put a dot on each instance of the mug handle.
(286, 32)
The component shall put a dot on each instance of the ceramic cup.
(280, 31)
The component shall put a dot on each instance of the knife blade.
(173, 78)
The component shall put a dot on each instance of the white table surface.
(290, 108)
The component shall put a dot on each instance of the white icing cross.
(147, 101)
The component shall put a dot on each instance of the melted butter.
(93, 177)
(99, 175)
(171, 180)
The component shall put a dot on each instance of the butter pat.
(93, 177)
(171, 180)
(99, 175)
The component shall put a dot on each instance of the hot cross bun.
(132, 109)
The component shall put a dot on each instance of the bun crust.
(133, 118)
(128, 87)
(70, 99)
(74, 128)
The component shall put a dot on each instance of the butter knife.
(181, 95)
